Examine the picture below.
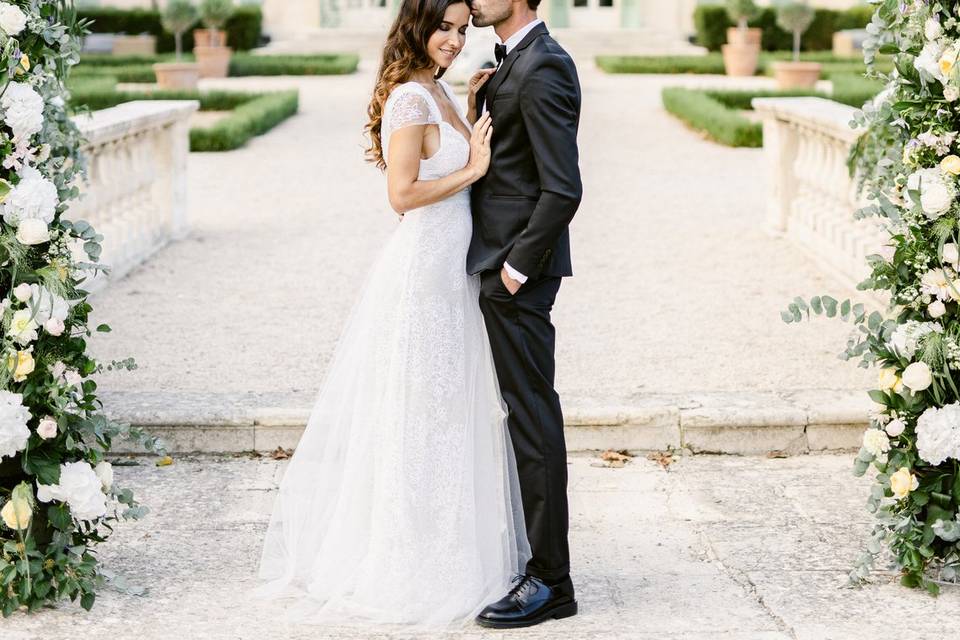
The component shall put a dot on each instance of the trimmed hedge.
(140, 68)
(712, 63)
(711, 23)
(710, 116)
(243, 28)
(252, 113)
(248, 120)
(717, 112)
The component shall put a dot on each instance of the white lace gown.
(401, 504)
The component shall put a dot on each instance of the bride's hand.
(478, 80)
(480, 146)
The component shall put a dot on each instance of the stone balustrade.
(136, 194)
(812, 197)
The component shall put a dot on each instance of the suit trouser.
(522, 340)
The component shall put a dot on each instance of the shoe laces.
(520, 584)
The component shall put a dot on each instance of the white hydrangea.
(936, 192)
(80, 488)
(33, 197)
(14, 432)
(22, 110)
(907, 337)
(12, 19)
(938, 434)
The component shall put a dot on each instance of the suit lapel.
(507, 64)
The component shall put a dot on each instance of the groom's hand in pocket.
(509, 283)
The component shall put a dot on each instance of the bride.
(401, 502)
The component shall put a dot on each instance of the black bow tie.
(500, 52)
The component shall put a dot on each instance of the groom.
(521, 249)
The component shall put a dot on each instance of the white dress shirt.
(511, 44)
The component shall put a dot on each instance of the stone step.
(786, 423)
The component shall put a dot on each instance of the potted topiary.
(178, 16)
(796, 18)
(210, 44)
(742, 51)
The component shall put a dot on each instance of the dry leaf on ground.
(661, 458)
(281, 454)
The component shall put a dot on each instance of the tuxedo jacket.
(523, 206)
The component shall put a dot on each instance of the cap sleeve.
(408, 107)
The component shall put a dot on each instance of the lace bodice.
(412, 104)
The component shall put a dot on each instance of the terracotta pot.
(741, 59)
(796, 75)
(210, 37)
(751, 36)
(177, 75)
(214, 62)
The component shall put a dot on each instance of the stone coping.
(820, 114)
(116, 122)
(779, 423)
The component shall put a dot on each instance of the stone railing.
(136, 196)
(812, 197)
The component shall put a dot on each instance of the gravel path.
(718, 547)
(677, 289)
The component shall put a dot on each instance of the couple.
(415, 496)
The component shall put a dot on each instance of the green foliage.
(711, 117)
(140, 68)
(712, 63)
(711, 23)
(178, 16)
(795, 17)
(215, 13)
(243, 28)
(740, 11)
(248, 120)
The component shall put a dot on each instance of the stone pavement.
(716, 547)
(677, 290)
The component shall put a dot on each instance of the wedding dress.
(401, 502)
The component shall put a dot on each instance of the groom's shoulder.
(546, 52)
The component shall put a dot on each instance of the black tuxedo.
(521, 211)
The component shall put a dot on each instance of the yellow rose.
(947, 61)
(951, 164)
(903, 482)
(25, 63)
(18, 510)
(22, 364)
(888, 379)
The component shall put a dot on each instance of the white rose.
(46, 305)
(22, 110)
(895, 428)
(936, 309)
(876, 442)
(932, 29)
(32, 231)
(936, 194)
(47, 428)
(22, 292)
(22, 327)
(80, 488)
(928, 60)
(33, 197)
(951, 255)
(917, 376)
(14, 432)
(951, 93)
(12, 19)
(54, 326)
(104, 471)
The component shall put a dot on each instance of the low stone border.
(785, 423)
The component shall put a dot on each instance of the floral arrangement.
(56, 487)
(907, 163)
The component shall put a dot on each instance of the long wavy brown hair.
(404, 53)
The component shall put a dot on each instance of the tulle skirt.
(401, 502)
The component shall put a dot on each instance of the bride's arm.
(404, 188)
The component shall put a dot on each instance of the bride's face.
(447, 41)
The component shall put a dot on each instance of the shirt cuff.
(514, 274)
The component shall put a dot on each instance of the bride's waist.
(460, 200)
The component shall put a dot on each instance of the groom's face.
(488, 13)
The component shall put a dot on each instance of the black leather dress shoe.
(530, 602)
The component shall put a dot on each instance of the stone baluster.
(812, 196)
(136, 192)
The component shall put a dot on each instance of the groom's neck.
(514, 23)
